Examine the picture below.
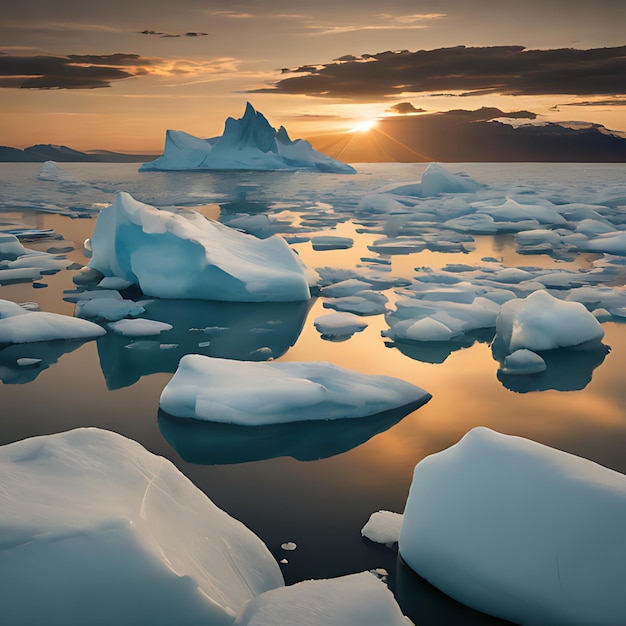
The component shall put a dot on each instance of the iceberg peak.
(248, 143)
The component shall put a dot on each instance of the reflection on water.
(230, 330)
(213, 443)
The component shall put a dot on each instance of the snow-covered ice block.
(366, 302)
(109, 309)
(523, 362)
(96, 530)
(29, 326)
(253, 393)
(543, 322)
(383, 527)
(610, 243)
(346, 601)
(435, 180)
(249, 143)
(519, 530)
(50, 171)
(185, 255)
(339, 325)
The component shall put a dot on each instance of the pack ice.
(96, 530)
(248, 143)
(519, 530)
(253, 393)
(182, 254)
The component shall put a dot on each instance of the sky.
(115, 75)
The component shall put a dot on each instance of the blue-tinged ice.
(182, 254)
(249, 143)
(519, 530)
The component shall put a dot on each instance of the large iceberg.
(358, 599)
(96, 530)
(249, 143)
(185, 255)
(249, 393)
(519, 530)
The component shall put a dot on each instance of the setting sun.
(363, 126)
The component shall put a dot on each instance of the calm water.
(314, 484)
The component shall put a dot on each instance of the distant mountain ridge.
(63, 154)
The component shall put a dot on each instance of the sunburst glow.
(363, 126)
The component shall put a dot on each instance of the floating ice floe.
(331, 242)
(610, 243)
(18, 264)
(50, 171)
(100, 531)
(366, 302)
(251, 393)
(249, 143)
(383, 527)
(336, 326)
(139, 327)
(523, 362)
(18, 325)
(435, 180)
(542, 322)
(185, 255)
(519, 530)
(346, 601)
(109, 309)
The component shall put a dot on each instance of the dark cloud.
(172, 35)
(69, 72)
(405, 107)
(511, 70)
(593, 103)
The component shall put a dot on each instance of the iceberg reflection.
(213, 443)
(232, 330)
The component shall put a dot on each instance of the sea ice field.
(432, 301)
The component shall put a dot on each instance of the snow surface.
(358, 599)
(383, 527)
(18, 325)
(249, 393)
(249, 143)
(185, 255)
(543, 322)
(96, 530)
(519, 530)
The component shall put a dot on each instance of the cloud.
(236, 15)
(404, 107)
(171, 35)
(69, 72)
(593, 103)
(509, 70)
(91, 71)
(385, 21)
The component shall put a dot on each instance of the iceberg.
(542, 322)
(249, 143)
(97, 530)
(519, 530)
(17, 325)
(346, 601)
(185, 255)
(254, 393)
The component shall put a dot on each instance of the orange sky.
(117, 75)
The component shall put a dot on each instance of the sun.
(363, 126)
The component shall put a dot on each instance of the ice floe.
(249, 393)
(383, 527)
(18, 325)
(101, 531)
(346, 601)
(519, 530)
(248, 143)
(185, 255)
(339, 326)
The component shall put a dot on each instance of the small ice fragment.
(28, 362)
(204, 344)
(139, 327)
(284, 561)
(289, 545)
(383, 527)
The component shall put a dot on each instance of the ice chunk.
(331, 242)
(347, 601)
(109, 309)
(339, 325)
(252, 393)
(185, 255)
(543, 322)
(139, 327)
(249, 143)
(435, 180)
(100, 531)
(519, 530)
(10, 247)
(29, 326)
(366, 302)
(383, 527)
(50, 171)
(611, 243)
(512, 211)
(523, 362)
(288, 545)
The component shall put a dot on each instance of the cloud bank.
(509, 70)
